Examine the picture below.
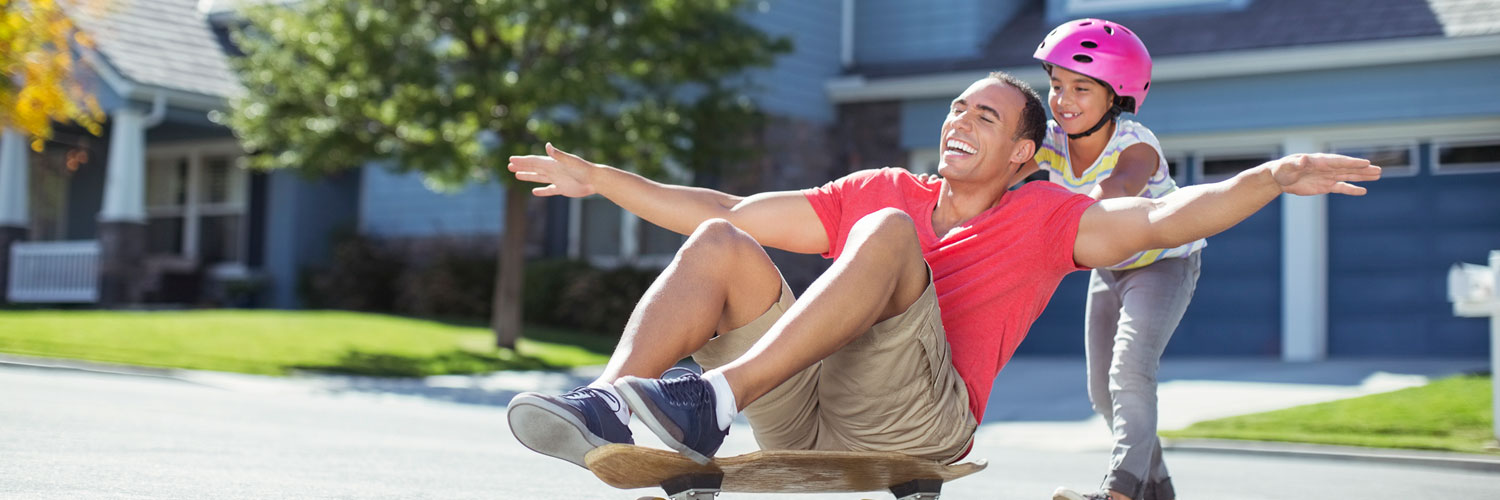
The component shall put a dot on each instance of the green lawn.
(1450, 414)
(276, 342)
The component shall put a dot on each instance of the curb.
(1439, 459)
(91, 366)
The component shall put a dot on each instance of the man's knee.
(887, 225)
(716, 236)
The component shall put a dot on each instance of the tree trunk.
(505, 318)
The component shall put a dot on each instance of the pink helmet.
(1105, 51)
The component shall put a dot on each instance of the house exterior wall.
(1389, 253)
(794, 86)
(890, 31)
(302, 220)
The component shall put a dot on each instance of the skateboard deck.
(772, 471)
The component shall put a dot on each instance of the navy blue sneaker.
(567, 426)
(680, 410)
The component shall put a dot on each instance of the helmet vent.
(1082, 58)
(1109, 30)
(1147, 87)
(1085, 23)
(1089, 45)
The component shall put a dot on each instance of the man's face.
(978, 135)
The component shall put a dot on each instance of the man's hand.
(1321, 173)
(563, 173)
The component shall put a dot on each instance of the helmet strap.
(1114, 110)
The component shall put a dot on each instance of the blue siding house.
(158, 209)
(1409, 83)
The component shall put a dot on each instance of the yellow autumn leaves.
(39, 86)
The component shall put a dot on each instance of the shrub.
(601, 301)
(452, 283)
(361, 276)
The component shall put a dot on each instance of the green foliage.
(546, 280)
(361, 276)
(1449, 414)
(454, 282)
(602, 300)
(451, 89)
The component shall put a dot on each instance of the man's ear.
(1023, 151)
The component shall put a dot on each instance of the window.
(608, 236)
(1218, 166)
(1466, 156)
(51, 171)
(196, 205)
(1176, 168)
(1395, 158)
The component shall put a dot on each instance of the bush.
(600, 301)
(457, 281)
(541, 294)
(454, 283)
(361, 277)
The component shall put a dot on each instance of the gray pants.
(1131, 316)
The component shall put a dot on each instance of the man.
(863, 360)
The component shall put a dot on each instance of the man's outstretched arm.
(1117, 228)
(782, 219)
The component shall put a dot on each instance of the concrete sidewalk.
(1037, 403)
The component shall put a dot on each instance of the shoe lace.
(687, 389)
(586, 392)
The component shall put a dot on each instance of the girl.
(1100, 69)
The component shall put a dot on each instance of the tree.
(38, 86)
(451, 89)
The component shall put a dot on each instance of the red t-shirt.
(993, 275)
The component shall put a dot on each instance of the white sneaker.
(1069, 494)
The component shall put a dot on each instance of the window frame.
(1437, 143)
(1412, 145)
(1202, 156)
(193, 209)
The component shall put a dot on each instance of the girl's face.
(1077, 101)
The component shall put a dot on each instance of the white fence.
(54, 272)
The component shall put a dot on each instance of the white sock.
(725, 407)
(621, 410)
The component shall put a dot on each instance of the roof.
(161, 43)
(1263, 24)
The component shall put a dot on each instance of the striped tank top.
(1053, 158)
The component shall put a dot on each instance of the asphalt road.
(72, 434)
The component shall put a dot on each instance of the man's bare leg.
(719, 280)
(880, 274)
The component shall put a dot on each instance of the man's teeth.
(954, 144)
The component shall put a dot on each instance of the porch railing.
(54, 272)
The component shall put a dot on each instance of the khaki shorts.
(892, 389)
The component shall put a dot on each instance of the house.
(1409, 83)
(158, 209)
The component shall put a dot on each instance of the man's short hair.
(1033, 124)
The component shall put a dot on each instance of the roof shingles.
(163, 43)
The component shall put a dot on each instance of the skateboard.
(774, 471)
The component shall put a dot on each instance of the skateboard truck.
(918, 489)
(693, 486)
